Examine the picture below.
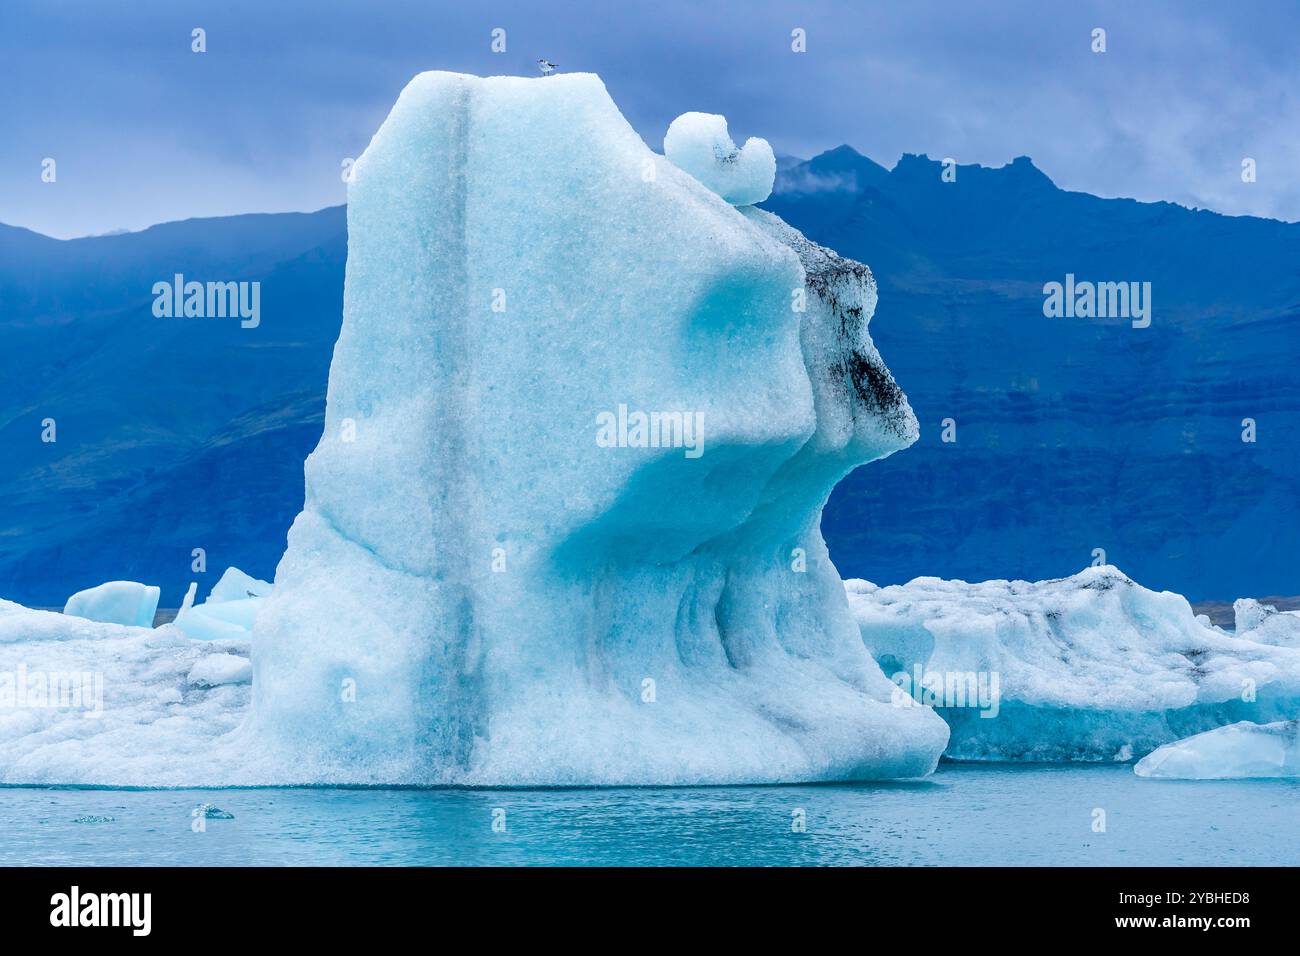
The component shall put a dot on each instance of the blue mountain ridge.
(1071, 433)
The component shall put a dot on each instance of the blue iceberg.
(563, 523)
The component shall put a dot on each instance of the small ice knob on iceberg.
(700, 144)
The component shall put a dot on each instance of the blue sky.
(144, 131)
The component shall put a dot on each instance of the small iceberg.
(1236, 752)
(209, 812)
(117, 602)
(1265, 624)
(235, 585)
(229, 611)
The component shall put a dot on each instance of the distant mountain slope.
(172, 433)
(1072, 434)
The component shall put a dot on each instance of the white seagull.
(546, 66)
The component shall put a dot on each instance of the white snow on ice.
(214, 670)
(88, 703)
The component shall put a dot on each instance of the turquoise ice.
(117, 602)
(1239, 751)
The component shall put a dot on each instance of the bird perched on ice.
(546, 66)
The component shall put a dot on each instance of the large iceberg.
(1238, 751)
(1090, 667)
(562, 525)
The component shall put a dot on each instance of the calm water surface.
(963, 815)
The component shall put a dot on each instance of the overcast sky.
(145, 131)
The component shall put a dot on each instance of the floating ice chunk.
(229, 611)
(235, 585)
(630, 614)
(1266, 624)
(210, 812)
(1237, 751)
(1090, 667)
(117, 602)
(700, 144)
(217, 669)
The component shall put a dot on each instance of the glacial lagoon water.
(965, 815)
